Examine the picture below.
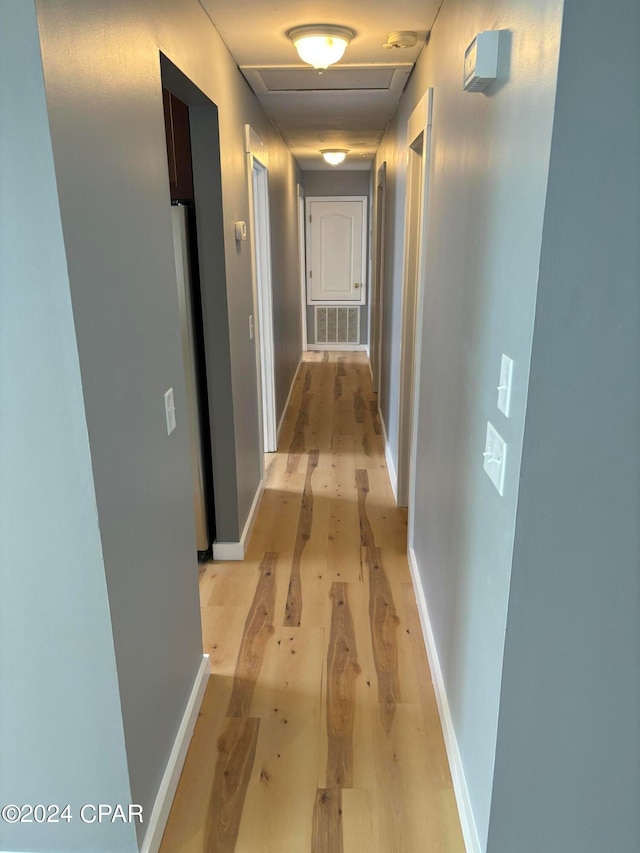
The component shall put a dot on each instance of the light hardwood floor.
(319, 729)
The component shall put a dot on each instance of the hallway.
(319, 728)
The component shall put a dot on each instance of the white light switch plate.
(504, 388)
(251, 329)
(495, 457)
(170, 411)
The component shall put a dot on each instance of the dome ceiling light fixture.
(320, 45)
(334, 156)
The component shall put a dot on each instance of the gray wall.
(490, 161)
(340, 183)
(283, 194)
(567, 775)
(103, 88)
(336, 182)
(61, 735)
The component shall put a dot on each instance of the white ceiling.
(349, 104)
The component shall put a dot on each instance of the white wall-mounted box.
(481, 61)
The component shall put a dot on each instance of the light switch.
(170, 411)
(251, 330)
(504, 387)
(495, 456)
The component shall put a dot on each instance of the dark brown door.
(176, 125)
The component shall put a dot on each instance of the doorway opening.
(185, 245)
(419, 155)
(193, 157)
(336, 272)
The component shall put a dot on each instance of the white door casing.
(336, 249)
(418, 172)
(377, 282)
(419, 130)
(260, 237)
(302, 265)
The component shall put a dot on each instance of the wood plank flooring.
(319, 730)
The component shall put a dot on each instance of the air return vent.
(337, 325)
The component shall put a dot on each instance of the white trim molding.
(418, 168)
(228, 551)
(254, 145)
(427, 106)
(261, 272)
(171, 776)
(236, 550)
(393, 476)
(302, 263)
(465, 811)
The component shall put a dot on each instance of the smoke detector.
(401, 39)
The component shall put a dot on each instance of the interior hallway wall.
(490, 158)
(336, 182)
(102, 73)
(284, 177)
(61, 734)
(567, 771)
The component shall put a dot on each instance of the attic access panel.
(387, 78)
(284, 80)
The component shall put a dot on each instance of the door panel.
(176, 125)
(337, 243)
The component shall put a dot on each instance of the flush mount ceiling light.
(334, 156)
(320, 44)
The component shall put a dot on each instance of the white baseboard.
(164, 800)
(337, 347)
(226, 551)
(236, 550)
(467, 822)
(389, 459)
(286, 405)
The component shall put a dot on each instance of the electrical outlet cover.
(170, 411)
(504, 388)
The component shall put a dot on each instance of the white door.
(336, 251)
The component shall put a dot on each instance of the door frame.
(418, 169)
(377, 281)
(260, 240)
(302, 263)
(364, 287)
